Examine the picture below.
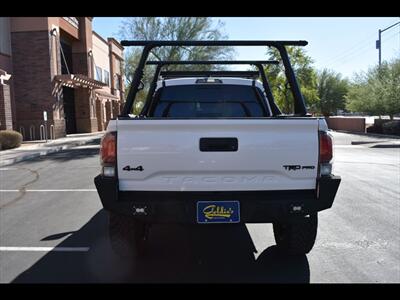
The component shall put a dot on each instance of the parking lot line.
(46, 249)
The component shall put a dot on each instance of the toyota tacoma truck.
(213, 148)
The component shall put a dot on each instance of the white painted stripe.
(64, 190)
(46, 249)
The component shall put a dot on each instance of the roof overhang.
(106, 95)
(78, 81)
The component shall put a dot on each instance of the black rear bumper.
(180, 207)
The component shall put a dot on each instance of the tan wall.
(101, 58)
(5, 39)
(346, 124)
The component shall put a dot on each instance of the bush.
(375, 129)
(391, 127)
(10, 139)
(378, 126)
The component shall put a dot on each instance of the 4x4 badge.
(128, 168)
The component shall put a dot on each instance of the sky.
(343, 44)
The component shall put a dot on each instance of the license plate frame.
(211, 212)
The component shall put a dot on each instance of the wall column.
(6, 121)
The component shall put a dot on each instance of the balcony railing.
(73, 21)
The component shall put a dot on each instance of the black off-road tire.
(127, 236)
(296, 238)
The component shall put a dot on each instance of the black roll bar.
(180, 74)
(299, 105)
(212, 62)
(214, 43)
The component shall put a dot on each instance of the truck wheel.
(296, 238)
(127, 236)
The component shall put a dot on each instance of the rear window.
(210, 101)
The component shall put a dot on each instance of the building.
(61, 68)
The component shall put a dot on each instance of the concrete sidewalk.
(32, 149)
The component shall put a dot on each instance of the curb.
(386, 146)
(365, 142)
(369, 134)
(43, 152)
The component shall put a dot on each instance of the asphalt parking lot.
(51, 201)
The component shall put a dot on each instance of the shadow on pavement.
(177, 253)
(65, 155)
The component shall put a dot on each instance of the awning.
(78, 80)
(106, 95)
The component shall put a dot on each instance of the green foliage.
(376, 91)
(305, 74)
(332, 90)
(10, 139)
(171, 28)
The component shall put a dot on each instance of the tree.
(332, 90)
(171, 28)
(376, 91)
(305, 74)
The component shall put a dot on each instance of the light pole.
(379, 41)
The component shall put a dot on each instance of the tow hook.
(296, 208)
(140, 210)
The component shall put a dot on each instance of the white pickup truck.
(211, 150)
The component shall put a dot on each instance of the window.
(98, 74)
(210, 101)
(117, 82)
(66, 57)
(118, 65)
(106, 77)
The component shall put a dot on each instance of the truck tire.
(296, 238)
(127, 236)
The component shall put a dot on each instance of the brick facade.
(85, 120)
(33, 84)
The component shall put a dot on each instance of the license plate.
(218, 212)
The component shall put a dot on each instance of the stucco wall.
(347, 124)
(5, 38)
(101, 57)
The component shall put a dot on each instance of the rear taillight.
(325, 153)
(108, 153)
(325, 147)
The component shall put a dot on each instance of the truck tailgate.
(167, 155)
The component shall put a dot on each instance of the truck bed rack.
(212, 62)
(299, 103)
(180, 74)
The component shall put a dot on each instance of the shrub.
(378, 126)
(10, 139)
(391, 127)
